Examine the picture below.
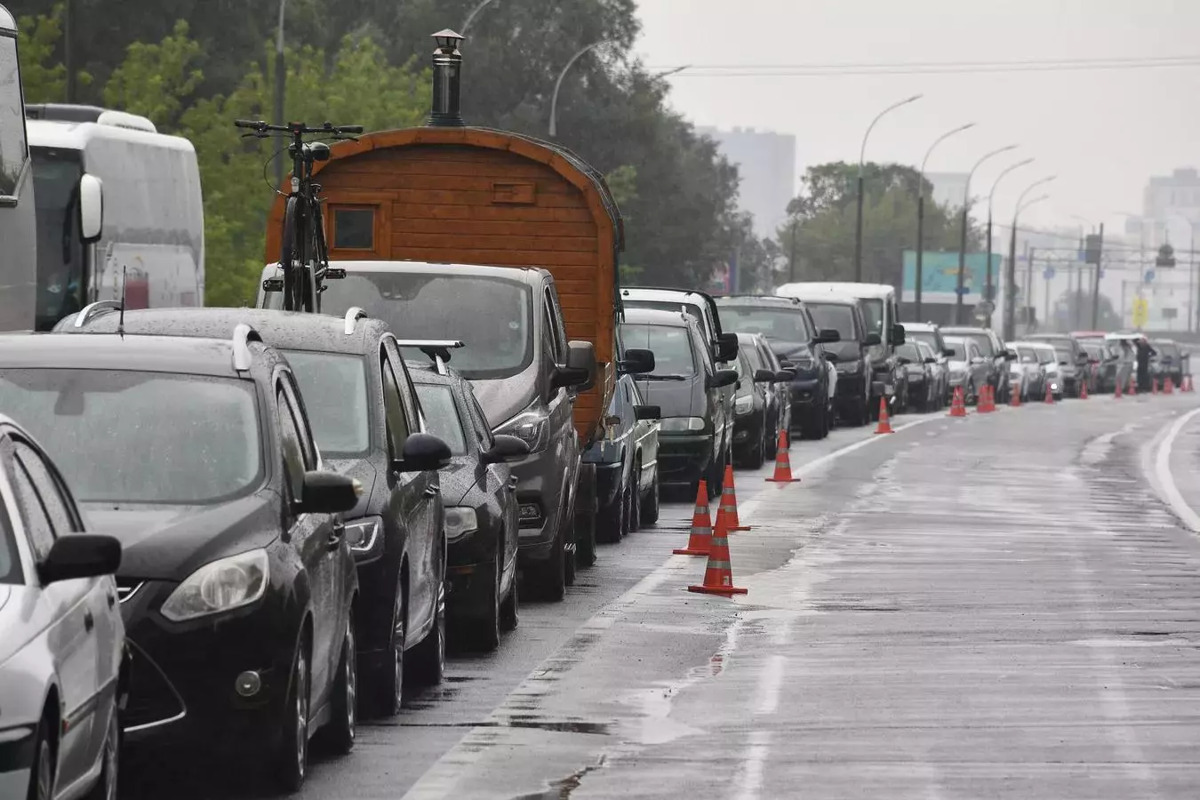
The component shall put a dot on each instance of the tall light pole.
(280, 88)
(1191, 264)
(1010, 288)
(962, 246)
(471, 17)
(988, 292)
(858, 220)
(558, 84)
(1086, 224)
(921, 210)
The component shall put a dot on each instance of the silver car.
(969, 369)
(1048, 358)
(62, 641)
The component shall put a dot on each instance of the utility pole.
(921, 213)
(1096, 285)
(1029, 254)
(69, 48)
(792, 255)
(862, 154)
(962, 249)
(1010, 320)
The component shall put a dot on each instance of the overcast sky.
(1103, 131)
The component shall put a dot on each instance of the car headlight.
(528, 426)
(849, 367)
(363, 534)
(219, 586)
(681, 424)
(743, 405)
(459, 521)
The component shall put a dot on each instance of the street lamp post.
(988, 292)
(921, 211)
(471, 17)
(558, 84)
(962, 247)
(858, 223)
(1085, 224)
(280, 88)
(1010, 316)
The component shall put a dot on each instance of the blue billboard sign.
(939, 275)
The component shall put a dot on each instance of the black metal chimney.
(447, 81)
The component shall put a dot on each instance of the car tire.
(484, 632)
(291, 757)
(570, 554)
(608, 521)
(510, 608)
(339, 735)
(383, 688)
(648, 509)
(635, 500)
(549, 578)
(754, 456)
(109, 781)
(41, 776)
(426, 663)
(585, 545)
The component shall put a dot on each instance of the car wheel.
(383, 692)
(585, 544)
(106, 786)
(608, 521)
(570, 554)
(635, 500)
(41, 777)
(509, 609)
(969, 394)
(339, 734)
(484, 635)
(648, 510)
(754, 457)
(291, 760)
(549, 578)
(427, 662)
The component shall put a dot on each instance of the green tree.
(158, 80)
(43, 76)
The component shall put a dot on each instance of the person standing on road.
(1144, 353)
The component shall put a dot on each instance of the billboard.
(939, 276)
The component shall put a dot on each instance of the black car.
(918, 392)
(237, 586)
(686, 386)
(850, 354)
(366, 422)
(479, 492)
(756, 414)
(789, 327)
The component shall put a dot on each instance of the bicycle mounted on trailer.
(304, 256)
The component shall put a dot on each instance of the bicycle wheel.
(293, 255)
(320, 254)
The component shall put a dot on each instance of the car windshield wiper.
(652, 377)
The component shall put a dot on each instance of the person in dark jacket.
(1144, 353)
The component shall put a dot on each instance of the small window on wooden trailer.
(353, 228)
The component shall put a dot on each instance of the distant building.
(948, 188)
(766, 163)
(1170, 208)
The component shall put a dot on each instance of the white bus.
(152, 233)
(18, 234)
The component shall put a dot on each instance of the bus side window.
(14, 149)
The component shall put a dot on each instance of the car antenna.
(121, 317)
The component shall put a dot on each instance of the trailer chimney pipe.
(447, 82)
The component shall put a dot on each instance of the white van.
(882, 315)
(18, 234)
(153, 216)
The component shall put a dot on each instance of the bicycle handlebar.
(262, 128)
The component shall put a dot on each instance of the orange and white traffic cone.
(718, 575)
(700, 539)
(783, 465)
(958, 408)
(984, 404)
(728, 505)
(1049, 394)
(1083, 391)
(1117, 392)
(1187, 380)
(1014, 395)
(885, 425)
(1169, 386)
(1132, 386)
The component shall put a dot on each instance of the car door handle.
(89, 621)
(432, 491)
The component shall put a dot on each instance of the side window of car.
(308, 447)
(393, 406)
(560, 328)
(49, 489)
(550, 342)
(36, 521)
(408, 394)
(293, 450)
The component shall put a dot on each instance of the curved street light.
(858, 222)
(1010, 289)
(558, 84)
(991, 203)
(470, 17)
(921, 210)
(962, 238)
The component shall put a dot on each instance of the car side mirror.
(764, 376)
(1063, 364)
(329, 492)
(947, 352)
(91, 208)
(827, 336)
(977, 360)
(721, 378)
(930, 360)
(1009, 355)
(579, 371)
(81, 555)
(422, 451)
(636, 362)
(785, 364)
(726, 348)
(785, 376)
(505, 448)
(647, 412)
(872, 339)
(897, 334)
(832, 358)
(904, 360)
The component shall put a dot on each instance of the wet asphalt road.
(1003, 606)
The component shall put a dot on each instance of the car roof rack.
(353, 315)
(438, 350)
(93, 309)
(243, 335)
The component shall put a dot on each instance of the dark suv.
(367, 423)
(236, 581)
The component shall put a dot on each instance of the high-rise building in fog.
(766, 163)
(1170, 207)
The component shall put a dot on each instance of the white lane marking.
(1162, 470)
(750, 777)
(769, 684)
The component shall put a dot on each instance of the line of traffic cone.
(1154, 386)
(885, 425)
(1169, 386)
(718, 574)
(700, 540)
(1132, 386)
(1049, 394)
(958, 407)
(1117, 393)
(985, 404)
(728, 505)
(783, 464)
(1014, 394)
(1083, 395)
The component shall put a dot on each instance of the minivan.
(851, 354)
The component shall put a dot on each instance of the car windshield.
(334, 387)
(441, 415)
(777, 324)
(838, 317)
(670, 344)
(100, 427)
(1063, 351)
(1028, 355)
(982, 340)
(925, 337)
(909, 350)
(957, 348)
(688, 308)
(1165, 349)
(10, 562)
(491, 316)
(873, 315)
(1046, 355)
(753, 357)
